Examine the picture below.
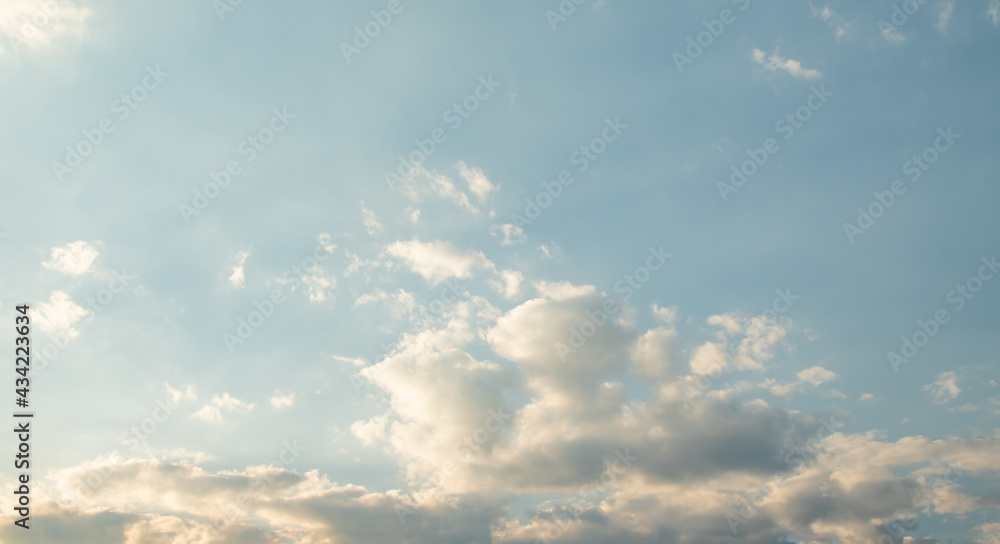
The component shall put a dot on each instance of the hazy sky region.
(464, 272)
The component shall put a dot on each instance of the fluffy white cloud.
(437, 261)
(147, 501)
(509, 284)
(29, 24)
(746, 343)
(987, 533)
(945, 388)
(479, 185)
(774, 62)
(508, 234)
(74, 258)
(319, 286)
(214, 412)
(59, 314)
(282, 399)
(622, 467)
(176, 395)
(815, 375)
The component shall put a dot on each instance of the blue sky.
(404, 319)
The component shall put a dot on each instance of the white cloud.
(74, 258)
(993, 13)
(944, 17)
(237, 278)
(775, 63)
(945, 388)
(539, 424)
(508, 234)
(372, 225)
(422, 183)
(214, 412)
(841, 27)
(282, 399)
(987, 533)
(867, 397)
(746, 343)
(479, 185)
(176, 396)
(666, 315)
(816, 375)
(326, 242)
(37, 23)
(656, 354)
(371, 431)
(437, 261)
(319, 286)
(401, 304)
(59, 314)
(162, 501)
(552, 251)
(412, 214)
(509, 284)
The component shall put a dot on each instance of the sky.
(572, 271)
